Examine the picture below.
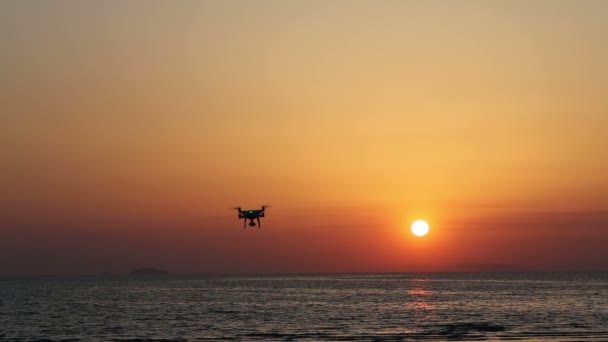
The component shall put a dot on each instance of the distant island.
(474, 267)
(148, 271)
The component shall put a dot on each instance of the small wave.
(468, 330)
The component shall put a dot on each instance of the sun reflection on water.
(419, 300)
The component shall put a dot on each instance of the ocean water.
(525, 306)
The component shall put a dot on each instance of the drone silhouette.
(252, 214)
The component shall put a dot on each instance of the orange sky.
(128, 130)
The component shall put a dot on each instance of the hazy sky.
(129, 128)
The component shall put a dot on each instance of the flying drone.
(251, 214)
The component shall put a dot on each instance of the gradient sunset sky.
(128, 129)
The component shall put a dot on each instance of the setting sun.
(420, 228)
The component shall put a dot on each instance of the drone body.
(251, 214)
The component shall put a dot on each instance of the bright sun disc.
(420, 228)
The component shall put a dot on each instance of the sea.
(335, 307)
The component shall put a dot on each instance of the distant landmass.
(148, 271)
(474, 267)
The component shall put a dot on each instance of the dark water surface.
(481, 306)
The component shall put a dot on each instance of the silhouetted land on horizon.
(490, 267)
(149, 271)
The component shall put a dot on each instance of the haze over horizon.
(129, 129)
